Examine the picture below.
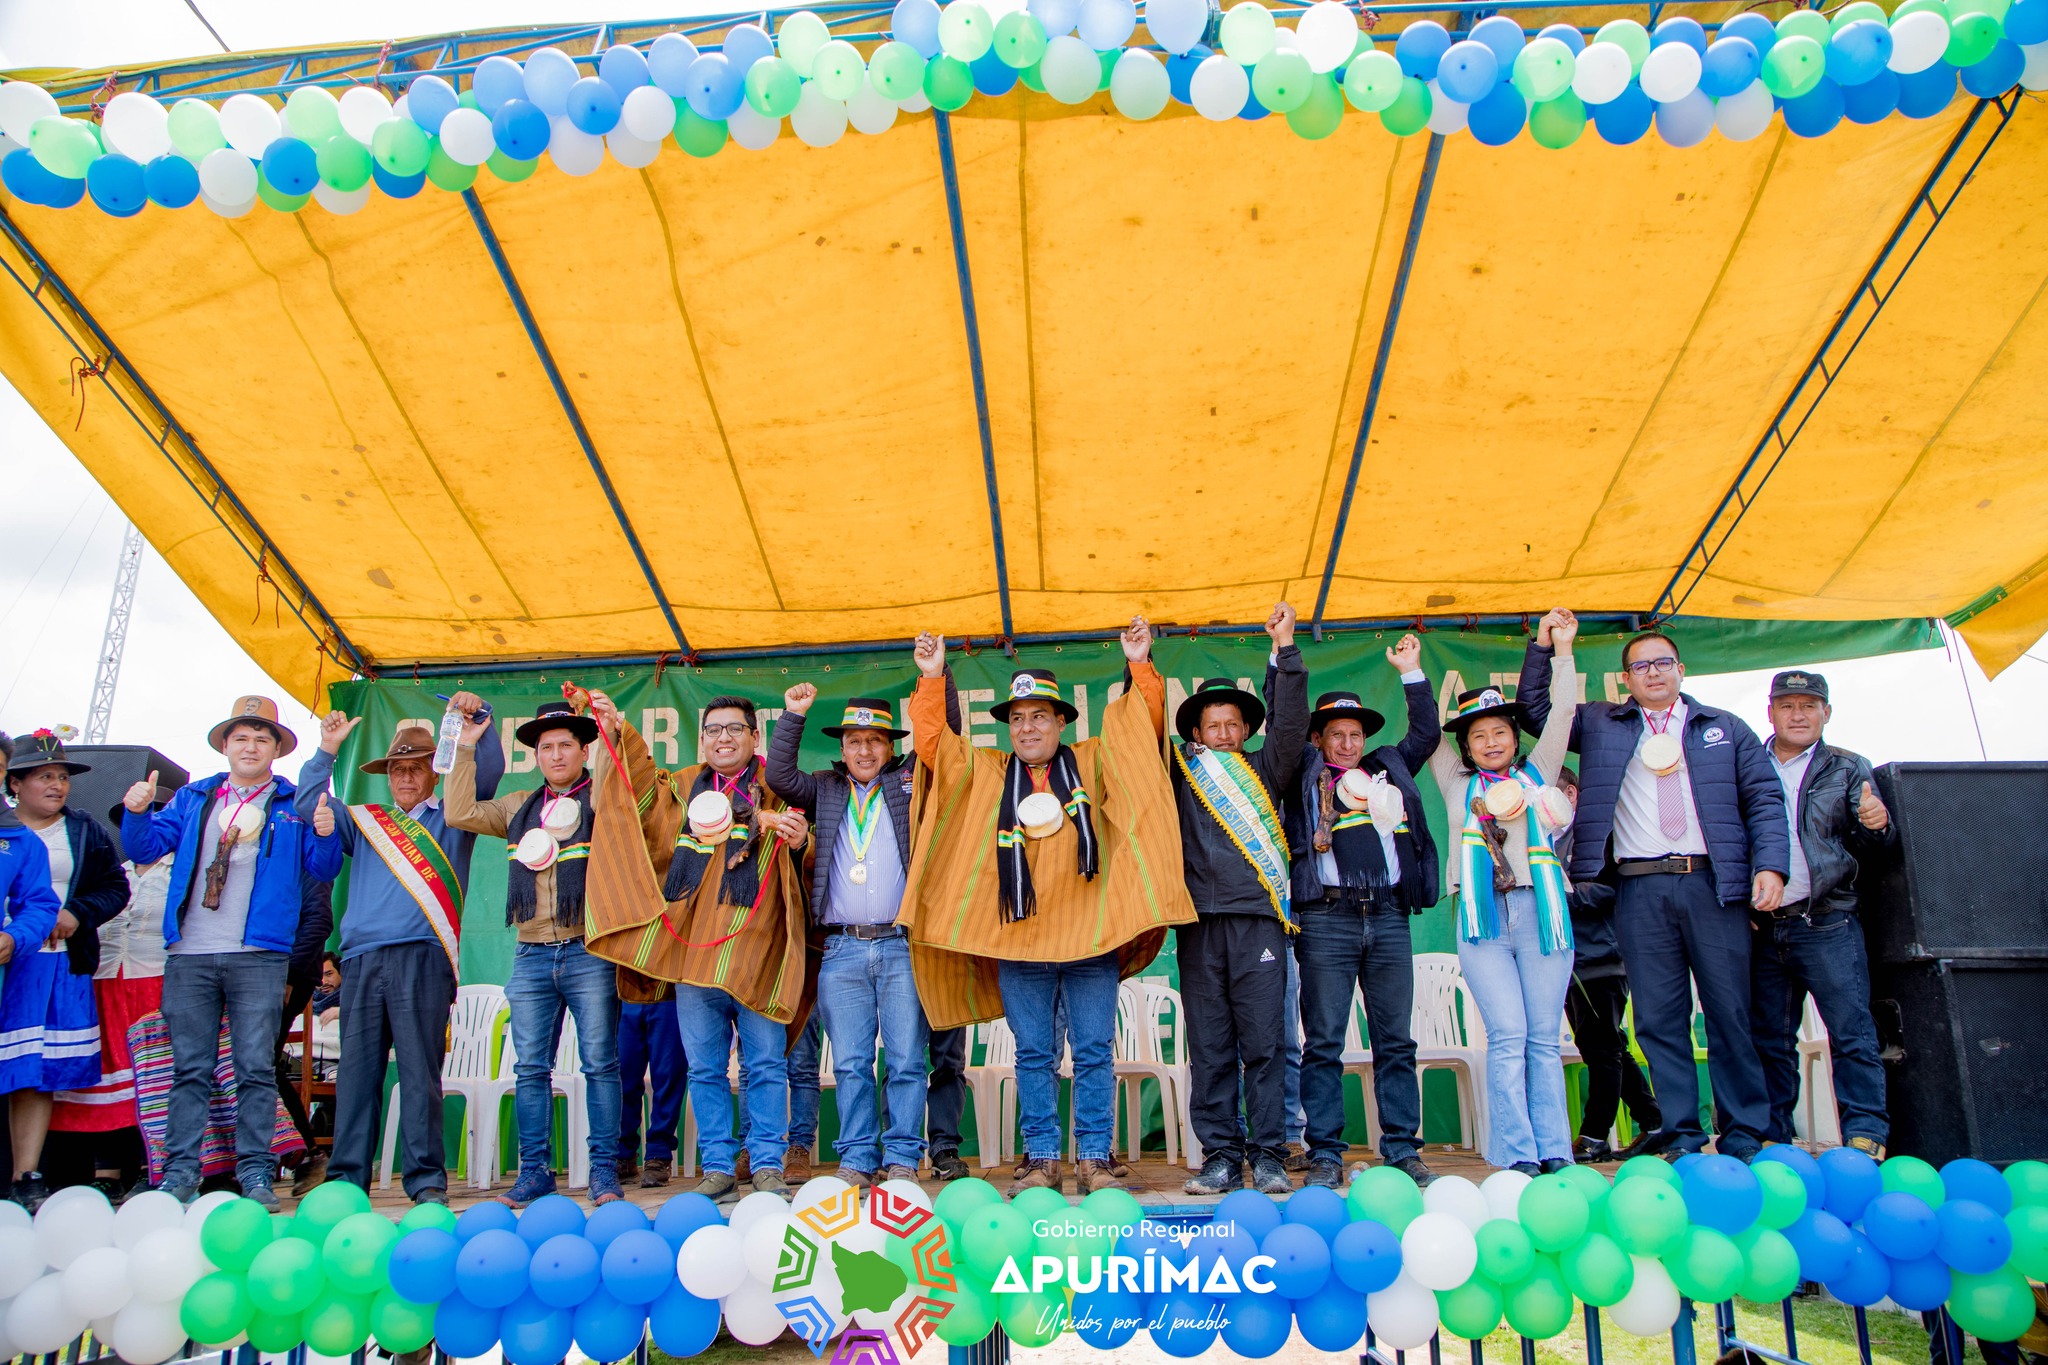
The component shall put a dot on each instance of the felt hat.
(1799, 682)
(867, 713)
(1485, 701)
(1344, 706)
(556, 715)
(1034, 684)
(1212, 692)
(411, 741)
(43, 749)
(260, 710)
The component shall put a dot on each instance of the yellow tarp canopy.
(1178, 322)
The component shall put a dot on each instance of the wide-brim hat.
(1034, 684)
(1344, 706)
(556, 715)
(867, 713)
(1214, 692)
(43, 749)
(411, 741)
(1480, 702)
(261, 710)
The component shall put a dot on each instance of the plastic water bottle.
(451, 736)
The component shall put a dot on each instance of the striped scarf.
(522, 894)
(740, 847)
(1017, 897)
(1484, 871)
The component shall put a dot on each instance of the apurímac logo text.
(1149, 1272)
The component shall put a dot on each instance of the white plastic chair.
(1138, 1059)
(567, 1081)
(987, 1079)
(1449, 1036)
(467, 1071)
(1822, 1126)
(1357, 1061)
(1165, 1017)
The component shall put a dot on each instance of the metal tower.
(116, 639)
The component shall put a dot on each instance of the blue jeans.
(1520, 992)
(1087, 989)
(711, 1021)
(865, 988)
(1341, 946)
(1790, 955)
(201, 990)
(548, 981)
(803, 1085)
(650, 1063)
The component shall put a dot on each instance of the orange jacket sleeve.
(1146, 679)
(928, 718)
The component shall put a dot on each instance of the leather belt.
(1676, 865)
(1799, 909)
(870, 932)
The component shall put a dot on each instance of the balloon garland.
(878, 1277)
(1494, 82)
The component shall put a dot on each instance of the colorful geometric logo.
(862, 1347)
(933, 1258)
(894, 1214)
(915, 1325)
(832, 1215)
(799, 1260)
(810, 1320)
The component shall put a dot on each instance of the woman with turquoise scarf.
(1514, 915)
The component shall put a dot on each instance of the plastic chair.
(987, 1080)
(467, 1071)
(1166, 1018)
(1445, 1025)
(1357, 1061)
(567, 1081)
(1822, 1125)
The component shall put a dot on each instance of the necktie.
(1670, 793)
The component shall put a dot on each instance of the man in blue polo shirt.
(400, 939)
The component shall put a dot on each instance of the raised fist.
(1280, 625)
(1406, 655)
(606, 712)
(1137, 640)
(799, 698)
(930, 652)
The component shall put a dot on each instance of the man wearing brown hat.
(231, 916)
(400, 941)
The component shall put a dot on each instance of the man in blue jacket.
(1681, 811)
(231, 915)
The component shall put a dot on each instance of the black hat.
(1343, 706)
(1215, 692)
(1485, 701)
(43, 749)
(867, 713)
(1799, 682)
(120, 808)
(1034, 684)
(556, 715)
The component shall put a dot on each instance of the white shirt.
(58, 841)
(132, 942)
(1637, 831)
(1791, 776)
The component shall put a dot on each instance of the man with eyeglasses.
(1681, 812)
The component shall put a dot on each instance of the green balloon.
(992, 1234)
(1281, 80)
(1784, 1194)
(1996, 1307)
(1971, 38)
(2028, 1181)
(1804, 23)
(1543, 70)
(773, 87)
(1247, 33)
(1598, 1271)
(1319, 114)
(1386, 1195)
(1554, 1212)
(1589, 1182)
(1471, 1310)
(451, 175)
(1655, 1168)
(278, 199)
(1849, 14)
(1107, 60)
(1041, 1205)
(64, 146)
(1032, 77)
(1020, 40)
(1647, 1216)
(1770, 1264)
(1506, 1255)
(1363, 45)
(338, 1324)
(1032, 1319)
(215, 1309)
(1373, 82)
(838, 69)
(1794, 65)
(401, 1325)
(233, 1233)
(1915, 6)
(1995, 8)
(511, 172)
(1628, 35)
(401, 148)
(1409, 113)
(1113, 1208)
(285, 1279)
(357, 1253)
(281, 1223)
(1541, 1306)
(276, 1332)
(428, 1215)
(972, 1317)
(194, 126)
(700, 136)
(965, 31)
(963, 1196)
(2029, 1227)
(1911, 1175)
(897, 70)
(344, 162)
(312, 114)
(1707, 1266)
(948, 83)
(1557, 124)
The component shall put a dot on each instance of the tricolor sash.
(1231, 792)
(416, 859)
(1478, 912)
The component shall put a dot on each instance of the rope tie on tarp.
(81, 370)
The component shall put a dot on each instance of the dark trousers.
(1233, 985)
(1342, 948)
(946, 1092)
(204, 992)
(1671, 926)
(1598, 1008)
(296, 996)
(651, 1062)
(394, 1000)
(1790, 955)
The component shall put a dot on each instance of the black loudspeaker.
(1965, 1045)
(116, 768)
(1970, 876)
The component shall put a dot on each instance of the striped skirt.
(110, 1105)
(49, 1026)
(149, 1044)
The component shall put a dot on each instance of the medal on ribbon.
(863, 814)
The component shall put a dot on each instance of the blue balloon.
(564, 1270)
(1496, 119)
(464, 1329)
(606, 1329)
(116, 183)
(1256, 1213)
(405, 187)
(171, 180)
(1687, 1162)
(917, 22)
(25, 177)
(423, 1265)
(429, 99)
(1721, 1193)
(1229, 1243)
(1333, 1320)
(1624, 119)
(551, 1215)
(992, 75)
(1366, 1256)
(480, 1217)
(1189, 1323)
(1901, 1226)
(497, 80)
(1868, 1277)
(1852, 1177)
(1680, 29)
(1301, 1260)
(1107, 1318)
(1420, 47)
(593, 106)
(1858, 51)
(683, 1215)
(1874, 101)
(1761, 34)
(668, 64)
(1318, 1207)
(1966, 1177)
(1468, 72)
(1566, 34)
(1152, 1237)
(1500, 35)
(491, 1269)
(1824, 1243)
(521, 130)
(607, 1221)
(715, 88)
(1253, 111)
(1180, 72)
(622, 68)
(533, 1333)
(2026, 23)
(1729, 67)
(1798, 1158)
(1974, 1240)
(681, 1323)
(746, 44)
(1258, 1325)
(1997, 73)
(1921, 1285)
(291, 166)
(549, 74)
(1926, 93)
(638, 1266)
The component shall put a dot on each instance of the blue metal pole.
(1594, 1355)
(1682, 1350)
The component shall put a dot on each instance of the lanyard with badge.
(863, 817)
(238, 825)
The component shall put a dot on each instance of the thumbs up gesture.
(141, 795)
(1870, 810)
(323, 818)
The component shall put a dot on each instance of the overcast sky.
(60, 534)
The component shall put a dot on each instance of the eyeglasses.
(732, 729)
(1643, 668)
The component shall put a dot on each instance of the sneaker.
(311, 1174)
(110, 1186)
(1325, 1171)
(433, 1194)
(530, 1186)
(628, 1168)
(796, 1164)
(604, 1186)
(1220, 1175)
(1090, 1176)
(1552, 1165)
(31, 1190)
(716, 1184)
(949, 1166)
(1297, 1157)
(1871, 1146)
(768, 1180)
(896, 1170)
(1412, 1167)
(654, 1174)
(1036, 1174)
(1269, 1176)
(857, 1178)
(1592, 1149)
(260, 1191)
(184, 1194)
(742, 1167)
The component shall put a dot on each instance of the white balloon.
(573, 151)
(1744, 114)
(96, 1284)
(13, 1215)
(761, 1249)
(1219, 88)
(1327, 34)
(916, 104)
(1176, 25)
(1503, 1191)
(1446, 115)
(870, 110)
(8, 1349)
(147, 1332)
(1107, 25)
(629, 151)
(1917, 43)
(1460, 1198)
(363, 107)
(711, 1264)
(226, 209)
(1601, 73)
(467, 138)
(1651, 1304)
(80, 1224)
(341, 203)
(2034, 75)
(817, 121)
(751, 1315)
(1670, 72)
(1138, 84)
(38, 1320)
(759, 1207)
(167, 1262)
(1058, 16)
(20, 1266)
(1685, 122)
(648, 113)
(1404, 1314)
(148, 1212)
(249, 124)
(196, 1212)
(401, 107)
(136, 126)
(1070, 69)
(1286, 40)
(1438, 1250)
(228, 176)
(21, 104)
(754, 131)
